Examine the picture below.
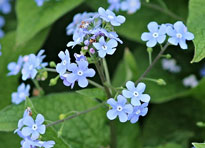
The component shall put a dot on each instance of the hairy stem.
(36, 83)
(153, 63)
(76, 114)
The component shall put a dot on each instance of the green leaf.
(199, 145)
(170, 145)
(94, 133)
(136, 23)
(33, 19)
(10, 53)
(196, 24)
(93, 93)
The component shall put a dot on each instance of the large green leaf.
(174, 121)
(33, 19)
(196, 24)
(10, 53)
(136, 23)
(88, 130)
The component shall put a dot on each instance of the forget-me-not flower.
(156, 34)
(114, 5)
(179, 34)
(190, 81)
(14, 67)
(80, 73)
(21, 94)
(137, 112)
(136, 93)
(79, 57)
(65, 62)
(131, 6)
(104, 47)
(78, 38)
(5, 6)
(170, 65)
(41, 57)
(30, 67)
(110, 16)
(119, 108)
(34, 128)
(39, 2)
(46, 144)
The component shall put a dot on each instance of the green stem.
(106, 71)
(36, 83)
(50, 69)
(150, 58)
(150, 79)
(95, 84)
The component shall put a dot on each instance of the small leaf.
(199, 145)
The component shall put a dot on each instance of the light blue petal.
(151, 43)
(127, 94)
(145, 98)
(101, 53)
(42, 129)
(146, 36)
(130, 86)
(121, 19)
(26, 131)
(153, 27)
(135, 101)
(183, 44)
(112, 102)
(170, 31)
(98, 46)
(89, 73)
(141, 87)
(161, 39)
(82, 82)
(144, 111)
(162, 29)
(60, 68)
(134, 119)
(71, 78)
(82, 65)
(112, 43)
(179, 27)
(72, 67)
(128, 108)
(61, 55)
(123, 116)
(112, 114)
(121, 100)
(102, 40)
(111, 51)
(173, 41)
(189, 36)
(115, 23)
(28, 120)
(21, 87)
(35, 135)
(39, 119)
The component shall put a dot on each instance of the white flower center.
(138, 112)
(34, 127)
(155, 35)
(179, 35)
(110, 17)
(30, 67)
(80, 73)
(136, 94)
(104, 47)
(119, 108)
(64, 62)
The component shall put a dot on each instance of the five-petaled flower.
(14, 67)
(109, 16)
(61, 67)
(136, 93)
(34, 128)
(179, 34)
(80, 72)
(138, 111)
(21, 94)
(119, 108)
(104, 47)
(156, 35)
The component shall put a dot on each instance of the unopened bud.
(62, 116)
(149, 50)
(168, 56)
(53, 81)
(52, 64)
(161, 82)
(200, 124)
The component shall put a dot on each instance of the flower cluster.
(95, 31)
(170, 65)
(30, 64)
(21, 94)
(72, 72)
(5, 6)
(131, 6)
(137, 107)
(190, 81)
(30, 130)
(177, 33)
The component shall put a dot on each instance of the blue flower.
(34, 128)
(179, 34)
(65, 62)
(202, 72)
(46, 144)
(79, 73)
(78, 38)
(5, 6)
(65, 82)
(109, 16)
(14, 67)
(131, 6)
(119, 108)
(2, 21)
(29, 143)
(114, 5)
(136, 93)
(21, 94)
(39, 2)
(137, 112)
(79, 57)
(104, 47)
(156, 34)
(30, 67)
(41, 57)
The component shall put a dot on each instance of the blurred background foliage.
(174, 110)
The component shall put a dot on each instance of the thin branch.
(76, 115)
(153, 63)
